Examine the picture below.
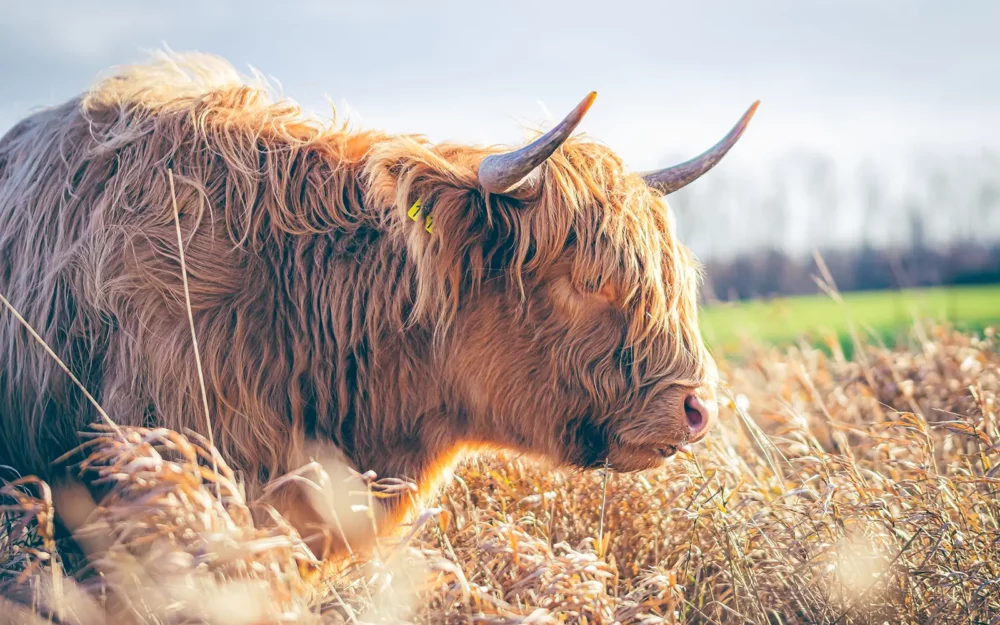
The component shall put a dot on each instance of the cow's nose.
(701, 415)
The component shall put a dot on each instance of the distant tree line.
(770, 272)
(923, 219)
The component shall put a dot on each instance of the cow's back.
(284, 253)
(89, 257)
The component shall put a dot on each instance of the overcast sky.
(853, 79)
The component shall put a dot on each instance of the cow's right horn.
(500, 173)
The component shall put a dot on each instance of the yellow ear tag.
(414, 211)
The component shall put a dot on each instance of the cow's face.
(590, 352)
(621, 312)
(586, 345)
(568, 305)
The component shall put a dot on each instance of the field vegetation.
(835, 490)
(885, 316)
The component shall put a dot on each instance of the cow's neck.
(366, 390)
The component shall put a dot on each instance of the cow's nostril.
(697, 413)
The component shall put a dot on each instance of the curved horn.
(673, 178)
(499, 173)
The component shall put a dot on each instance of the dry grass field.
(833, 491)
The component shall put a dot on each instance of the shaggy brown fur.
(558, 320)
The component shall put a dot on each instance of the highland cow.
(400, 302)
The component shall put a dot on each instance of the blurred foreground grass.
(887, 315)
(833, 491)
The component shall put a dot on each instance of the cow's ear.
(432, 201)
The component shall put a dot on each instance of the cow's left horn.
(499, 173)
(673, 178)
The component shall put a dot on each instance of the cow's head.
(565, 304)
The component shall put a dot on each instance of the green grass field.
(889, 314)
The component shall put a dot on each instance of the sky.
(859, 82)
